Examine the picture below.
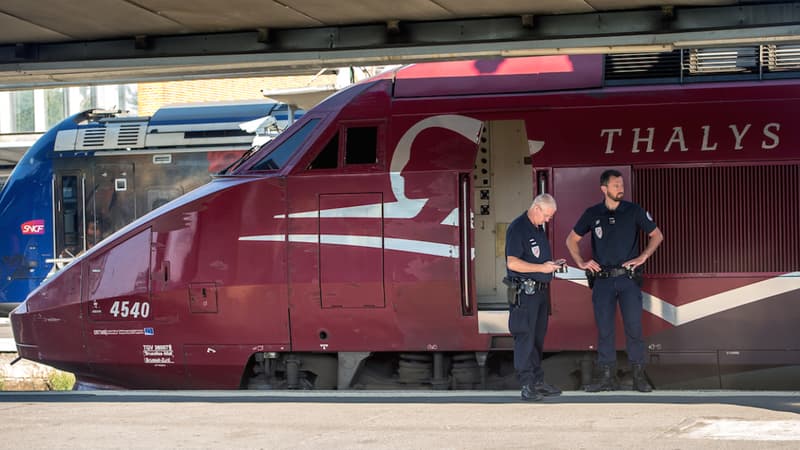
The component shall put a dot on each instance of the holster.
(590, 277)
(512, 290)
(637, 275)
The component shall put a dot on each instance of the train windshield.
(275, 159)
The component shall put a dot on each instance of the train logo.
(35, 226)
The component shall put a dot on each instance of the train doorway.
(69, 189)
(502, 190)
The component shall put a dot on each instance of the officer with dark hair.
(530, 269)
(615, 275)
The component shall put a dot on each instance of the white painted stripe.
(307, 238)
(350, 212)
(392, 210)
(496, 321)
(264, 237)
(396, 244)
(698, 309)
(744, 430)
(424, 247)
(352, 241)
(373, 211)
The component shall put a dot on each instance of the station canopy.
(59, 42)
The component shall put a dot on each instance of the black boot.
(640, 382)
(608, 380)
(529, 394)
(546, 389)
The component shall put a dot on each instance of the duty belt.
(531, 287)
(613, 272)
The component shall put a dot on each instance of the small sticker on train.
(158, 354)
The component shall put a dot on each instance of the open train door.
(69, 190)
(575, 189)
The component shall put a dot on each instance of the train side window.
(276, 158)
(361, 146)
(328, 158)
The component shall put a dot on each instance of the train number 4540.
(127, 308)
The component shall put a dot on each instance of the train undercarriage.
(486, 371)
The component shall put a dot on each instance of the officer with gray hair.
(530, 268)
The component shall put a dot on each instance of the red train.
(363, 248)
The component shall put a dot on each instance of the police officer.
(528, 259)
(616, 270)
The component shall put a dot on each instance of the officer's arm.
(574, 250)
(655, 239)
(518, 265)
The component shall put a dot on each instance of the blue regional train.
(97, 171)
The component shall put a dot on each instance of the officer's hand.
(551, 267)
(590, 265)
(633, 263)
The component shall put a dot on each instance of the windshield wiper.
(245, 156)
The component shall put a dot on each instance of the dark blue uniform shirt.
(615, 234)
(529, 243)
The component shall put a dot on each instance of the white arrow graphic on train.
(497, 321)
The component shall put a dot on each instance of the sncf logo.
(33, 227)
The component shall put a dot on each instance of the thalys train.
(98, 170)
(363, 247)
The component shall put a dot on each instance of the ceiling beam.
(289, 51)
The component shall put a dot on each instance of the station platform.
(400, 419)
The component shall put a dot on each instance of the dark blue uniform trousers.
(605, 294)
(527, 322)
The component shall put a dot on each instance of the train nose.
(48, 327)
(23, 330)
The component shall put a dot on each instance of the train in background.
(363, 247)
(97, 171)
